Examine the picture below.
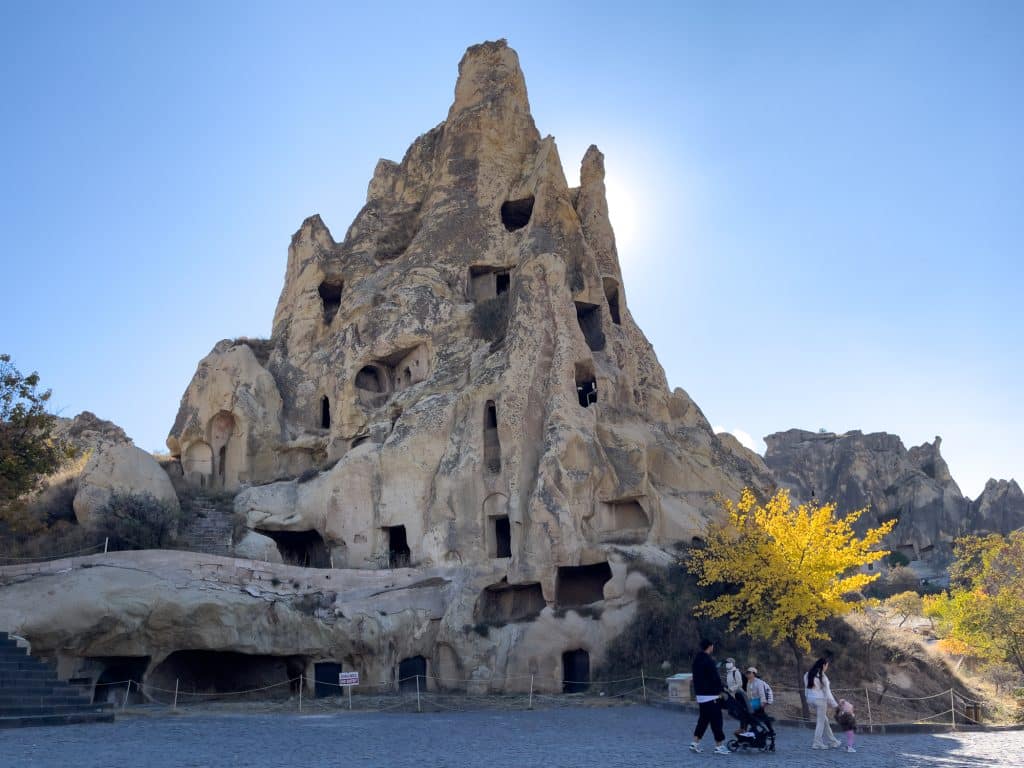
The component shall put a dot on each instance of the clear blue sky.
(820, 206)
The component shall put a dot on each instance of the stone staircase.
(31, 694)
(210, 528)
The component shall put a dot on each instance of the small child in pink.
(847, 722)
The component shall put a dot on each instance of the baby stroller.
(755, 731)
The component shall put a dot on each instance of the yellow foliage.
(785, 569)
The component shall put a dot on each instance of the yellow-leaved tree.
(785, 569)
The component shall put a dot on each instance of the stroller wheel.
(733, 745)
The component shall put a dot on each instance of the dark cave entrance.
(586, 385)
(302, 548)
(492, 443)
(412, 672)
(325, 412)
(330, 298)
(611, 294)
(325, 679)
(575, 671)
(504, 603)
(502, 537)
(515, 214)
(399, 555)
(113, 682)
(577, 585)
(212, 672)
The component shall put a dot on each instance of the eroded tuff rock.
(999, 508)
(119, 468)
(87, 432)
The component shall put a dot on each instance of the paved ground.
(559, 738)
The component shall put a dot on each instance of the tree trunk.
(799, 658)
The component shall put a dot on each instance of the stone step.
(42, 699)
(23, 710)
(76, 718)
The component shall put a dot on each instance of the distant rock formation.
(877, 471)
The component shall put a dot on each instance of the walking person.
(707, 687)
(819, 695)
(847, 720)
(733, 678)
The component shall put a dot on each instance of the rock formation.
(456, 426)
(877, 471)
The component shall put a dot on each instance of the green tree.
(906, 604)
(984, 609)
(785, 570)
(28, 448)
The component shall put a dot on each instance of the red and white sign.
(346, 679)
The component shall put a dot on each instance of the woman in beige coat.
(819, 695)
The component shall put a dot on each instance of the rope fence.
(429, 693)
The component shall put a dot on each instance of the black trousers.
(710, 714)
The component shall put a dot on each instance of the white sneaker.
(850, 749)
(695, 747)
(721, 749)
(748, 734)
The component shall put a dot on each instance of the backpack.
(769, 695)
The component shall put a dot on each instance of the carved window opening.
(623, 521)
(505, 603)
(577, 585)
(325, 412)
(330, 298)
(502, 282)
(611, 293)
(502, 537)
(589, 318)
(399, 555)
(586, 385)
(575, 671)
(371, 379)
(488, 282)
(492, 443)
(412, 674)
(303, 548)
(515, 214)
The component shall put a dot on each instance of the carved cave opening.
(611, 294)
(589, 318)
(303, 548)
(623, 521)
(112, 683)
(488, 282)
(515, 214)
(586, 384)
(330, 298)
(492, 443)
(325, 412)
(412, 672)
(577, 585)
(502, 537)
(210, 672)
(377, 380)
(505, 603)
(325, 679)
(399, 555)
(575, 671)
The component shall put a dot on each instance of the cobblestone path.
(560, 738)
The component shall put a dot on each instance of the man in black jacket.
(707, 687)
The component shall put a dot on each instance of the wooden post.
(643, 683)
(418, 694)
(952, 708)
(349, 697)
(867, 698)
(106, 541)
(126, 692)
(176, 680)
(300, 693)
(531, 692)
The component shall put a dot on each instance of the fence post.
(300, 693)
(349, 698)
(643, 683)
(952, 708)
(867, 698)
(106, 541)
(531, 693)
(126, 692)
(418, 694)
(176, 680)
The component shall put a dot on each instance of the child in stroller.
(755, 731)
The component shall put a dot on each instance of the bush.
(137, 521)
(896, 559)
(490, 318)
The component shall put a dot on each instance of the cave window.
(586, 385)
(330, 298)
(399, 555)
(589, 318)
(611, 293)
(502, 537)
(581, 584)
(369, 379)
(306, 549)
(503, 603)
(325, 412)
(515, 214)
(502, 281)
(575, 671)
(492, 443)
